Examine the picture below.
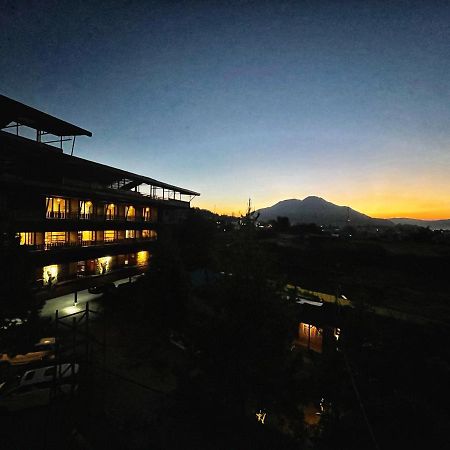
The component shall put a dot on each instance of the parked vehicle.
(34, 387)
(46, 374)
(33, 395)
(43, 350)
(27, 358)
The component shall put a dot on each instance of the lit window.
(26, 238)
(86, 209)
(110, 235)
(86, 235)
(111, 211)
(130, 212)
(142, 258)
(104, 264)
(55, 238)
(57, 208)
(148, 234)
(130, 234)
(50, 275)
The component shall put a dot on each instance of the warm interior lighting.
(131, 212)
(142, 258)
(87, 235)
(104, 264)
(55, 237)
(50, 274)
(56, 207)
(148, 234)
(109, 235)
(111, 210)
(310, 337)
(26, 238)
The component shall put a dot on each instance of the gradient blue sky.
(269, 100)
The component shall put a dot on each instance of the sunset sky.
(349, 101)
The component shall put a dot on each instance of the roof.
(49, 161)
(14, 111)
(110, 174)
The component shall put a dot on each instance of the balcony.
(93, 217)
(80, 244)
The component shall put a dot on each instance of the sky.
(349, 101)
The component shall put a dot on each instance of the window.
(86, 236)
(50, 274)
(28, 376)
(111, 211)
(57, 208)
(148, 234)
(147, 214)
(130, 213)
(27, 238)
(49, 372)
(55, 238)
(130, 234)
(110, 235)
(86, 209)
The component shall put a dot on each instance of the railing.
(56, 215)
(79, 244)
(62, 215)
(97, 217)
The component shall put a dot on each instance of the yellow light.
(142, 258)
(50, 274)
(261, 417)
(103, 264)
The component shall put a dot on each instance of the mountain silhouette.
(317, 210)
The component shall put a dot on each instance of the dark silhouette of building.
(77, 218)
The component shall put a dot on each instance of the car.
(34, 387)
(102, 288)
(32, 395)
(27, 358)
(43, 350)
(46, 374)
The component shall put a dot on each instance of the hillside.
(317, 210)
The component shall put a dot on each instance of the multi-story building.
(78, 218)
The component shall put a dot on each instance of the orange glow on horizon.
(382, 208)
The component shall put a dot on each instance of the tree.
(247, 338)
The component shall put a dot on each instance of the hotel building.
(79, 219)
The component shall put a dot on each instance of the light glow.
(103, 264)
(50, 274)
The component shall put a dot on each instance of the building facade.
(77, 218)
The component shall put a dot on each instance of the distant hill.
(433, 224)
(317, 210)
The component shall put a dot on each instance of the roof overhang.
(14, 111)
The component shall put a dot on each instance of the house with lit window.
(78, 218)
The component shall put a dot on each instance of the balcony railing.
(80, 244)
(97, 217)
(57, 215)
